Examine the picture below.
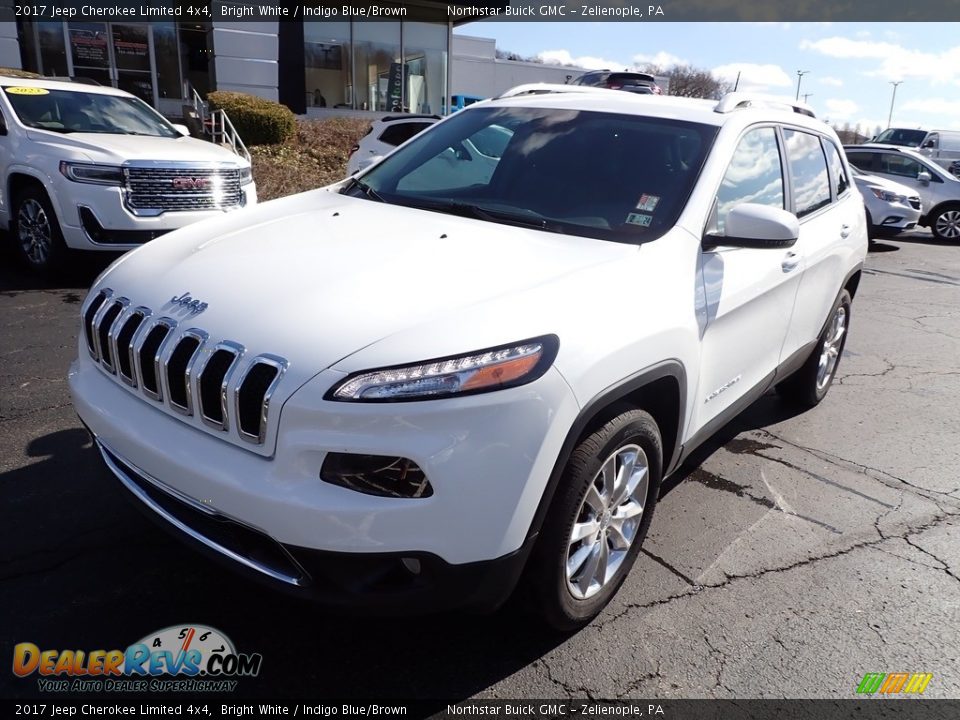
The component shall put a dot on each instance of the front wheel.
(598, 520)
(945, 224)
(36, 231)
(809, 385)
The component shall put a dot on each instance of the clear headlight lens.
(481, 371)
(246, 175)
(94, 174)
(887, 196)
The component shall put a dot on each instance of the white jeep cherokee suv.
(95, 168)
(422, 389)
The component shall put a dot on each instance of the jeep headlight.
(481, 371)
(93, 174)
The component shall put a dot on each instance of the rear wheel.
(810, 384)
(598, 520)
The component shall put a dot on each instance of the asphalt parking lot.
(794, 554)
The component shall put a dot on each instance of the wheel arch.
(932, 213)
(18, 180)
(660, 390)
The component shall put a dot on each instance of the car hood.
(316, 277)
(108, 148)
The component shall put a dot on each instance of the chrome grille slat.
(270, 361)
(234, 400)
(237, 351)
(152, 188)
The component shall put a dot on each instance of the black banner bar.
(459, 11)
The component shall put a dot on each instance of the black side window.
(901, 165)
(808, 172)
(865, 161)
(754, 175)
(401, 132)
(838, 173)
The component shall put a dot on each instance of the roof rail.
(739, 100)
(544, 88)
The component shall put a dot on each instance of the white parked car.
(891, 207)
(415, 398)
(95, 168)
(384, 136)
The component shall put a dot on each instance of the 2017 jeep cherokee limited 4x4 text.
(96, 168)
(437, 381)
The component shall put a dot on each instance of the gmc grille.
(182, 370)
(181, 189)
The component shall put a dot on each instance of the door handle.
(790, 262)
(844, 231)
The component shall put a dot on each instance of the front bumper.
(93, 217)
(488, 458)
(394, 582)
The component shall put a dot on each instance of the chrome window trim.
(274, 361)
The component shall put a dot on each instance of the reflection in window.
(53, 51)
(808, 170)
(379, 73)
(327, 61)
(754, 175)
(425, 61)
(900, 165)
(166, 51)
(840, 181)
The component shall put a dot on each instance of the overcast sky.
(851, 64)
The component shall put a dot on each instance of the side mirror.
(182, 129)
(929, 144)
(749, 225)
(924, 177)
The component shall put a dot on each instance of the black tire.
(547, 579)
(945, 223)
(35, 231)
(806, 387)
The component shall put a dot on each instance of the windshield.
(69, 111)
(902, 137)
(605, 175)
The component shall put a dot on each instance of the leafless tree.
(688, 81)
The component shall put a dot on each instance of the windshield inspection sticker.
(27, 91)
(648, 203)
(638, 219)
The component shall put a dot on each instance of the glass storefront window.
(379, 73)
(53, 51)
(329, 80)
(425, 67)
(166, 53)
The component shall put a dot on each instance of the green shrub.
(258, 120)
(13, 72)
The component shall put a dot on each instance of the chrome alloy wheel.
(831, 347)
(948, 224)
(607, 522)
(34, 231)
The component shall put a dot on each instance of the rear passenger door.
(831, 216)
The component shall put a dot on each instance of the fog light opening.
(412, 565)
(380, 475)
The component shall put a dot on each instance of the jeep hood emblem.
(189, 303)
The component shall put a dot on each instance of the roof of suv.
(732, 107)
(8, 80)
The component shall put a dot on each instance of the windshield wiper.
(523, 219)
(365, 189)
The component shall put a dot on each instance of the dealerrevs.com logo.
(184, 658)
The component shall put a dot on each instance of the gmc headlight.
(246, 175)
(93, 174)
(481, 371)
(888, 196)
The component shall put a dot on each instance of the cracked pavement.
(793, 554)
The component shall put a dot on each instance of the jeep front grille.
(182, 369)
(154, 189)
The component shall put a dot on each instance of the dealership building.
(316, 67)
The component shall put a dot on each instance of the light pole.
(807, 95)
(892, 99)
(800, 74)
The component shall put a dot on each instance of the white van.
(941, 146)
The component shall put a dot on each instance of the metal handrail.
(224, 133)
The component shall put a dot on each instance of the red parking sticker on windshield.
(648, 203)
(639, 219)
